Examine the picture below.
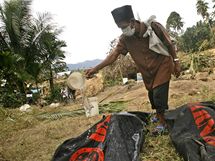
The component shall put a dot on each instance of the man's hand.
(89, 72)
(177, 69)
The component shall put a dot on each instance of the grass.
(24, 137)
(159, 148)
(113, 107)
(35, 135)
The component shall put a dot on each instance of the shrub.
(55, 96)
(12, 100)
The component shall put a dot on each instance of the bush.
(12, 100)
(124, 66)
(55, 96)
(201, 60)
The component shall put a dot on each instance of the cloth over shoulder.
(155, 44)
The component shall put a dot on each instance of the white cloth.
(155, 44)
(25, 107)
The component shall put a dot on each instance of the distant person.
(29, 96)
(72, 94)
(153, 53)
(64, 94)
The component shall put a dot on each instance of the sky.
(88, 26)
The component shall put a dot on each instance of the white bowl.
(76, 81)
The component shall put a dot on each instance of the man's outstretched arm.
(107, 61)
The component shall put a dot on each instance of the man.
(156, 67)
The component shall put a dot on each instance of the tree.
(15, 18)
(202, 9)
(29, 46)
(174, 23)
(194, 38)
(52, 55)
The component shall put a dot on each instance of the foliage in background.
(11, 99)
(55, 95)
(122, 67)
(196, 38)
(30, 47)
(198, 62)
(199, 37)
(174, 24)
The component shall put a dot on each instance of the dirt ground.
(181, 92)
(26, 137)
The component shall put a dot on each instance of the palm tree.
(213, 12)
(34, 59)
(174, 22)
(29, 44)
(52, 55)
(202, 9)
(15, 18)
(214, 4)
(50, 58)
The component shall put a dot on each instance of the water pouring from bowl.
(77, 81)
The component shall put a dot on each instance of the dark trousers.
(159, 97)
